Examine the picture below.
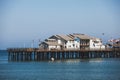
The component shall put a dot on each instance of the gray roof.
(54, 37)
(65, 37)
(51, 43)
(81, 36)
(71, 37)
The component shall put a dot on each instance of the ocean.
(72, 69)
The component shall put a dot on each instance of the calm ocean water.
(75, 69)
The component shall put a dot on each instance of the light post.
(39, 41)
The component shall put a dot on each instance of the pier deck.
(35, 54)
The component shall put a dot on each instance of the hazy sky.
(22, 21)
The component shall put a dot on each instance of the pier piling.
(30, 54)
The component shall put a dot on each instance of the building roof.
(51, 43)
(81, 36)
(72, 36)
(65, 37)
(54, 37)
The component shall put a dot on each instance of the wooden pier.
(35, 54)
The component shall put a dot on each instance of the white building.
(66, 42)
(72, 41)
(88, 42)
(96, 43)
(50, 44)
(60, 42)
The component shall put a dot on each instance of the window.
(73, 45)
(96, 41)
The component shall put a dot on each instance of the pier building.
(72, 41)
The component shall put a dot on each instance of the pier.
(35, 54)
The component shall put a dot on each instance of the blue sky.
(22, 21)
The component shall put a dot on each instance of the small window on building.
(96, 41)
(73, 45)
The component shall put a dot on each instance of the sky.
(22, 21)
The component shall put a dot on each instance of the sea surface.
(72, 69)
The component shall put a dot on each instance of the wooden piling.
(40, 55)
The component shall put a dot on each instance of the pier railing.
(37, 49)
(22, 49)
